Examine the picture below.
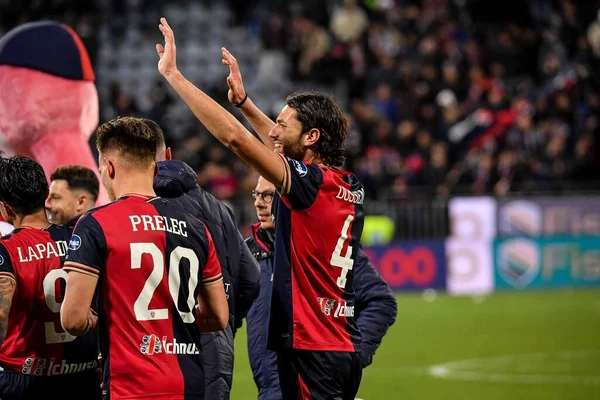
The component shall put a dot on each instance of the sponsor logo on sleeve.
(300, 167)
(74, 243)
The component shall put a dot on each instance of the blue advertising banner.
(521, 263)
(411, 265)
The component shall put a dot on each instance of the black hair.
(78, 177)
(23, 185)
(319, 111)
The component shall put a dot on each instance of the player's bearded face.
(295, 149)
(288, 136)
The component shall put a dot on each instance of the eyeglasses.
(267, 195)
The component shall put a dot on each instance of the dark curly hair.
(319, 111)
(23, 184)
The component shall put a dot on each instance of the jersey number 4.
(141, 307)
(337, 259)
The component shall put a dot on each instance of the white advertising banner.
(470, 267)
(473, 217)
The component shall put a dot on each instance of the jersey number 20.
(141, 307)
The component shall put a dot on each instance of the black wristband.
(241, 103)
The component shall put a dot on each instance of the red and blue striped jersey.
(318, 223)
(36, 343)
(150, 257)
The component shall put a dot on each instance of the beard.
(295, 150)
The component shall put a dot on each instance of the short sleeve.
(300, 184)
(211, 273)
(6, 267)
(87, 247)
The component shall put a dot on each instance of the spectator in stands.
(349, 22)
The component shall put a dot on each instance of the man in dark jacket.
(375, 309)
(177, 182)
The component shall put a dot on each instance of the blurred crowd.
(443, 97)
(457, 97)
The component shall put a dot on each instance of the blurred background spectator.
(444, 97)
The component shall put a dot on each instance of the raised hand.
(167, 64)
(236, 91)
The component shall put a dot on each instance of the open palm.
(167, 63)
(236, 86)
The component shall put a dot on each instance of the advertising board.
(472, 217)
(522, 262)
(549, 216)
(470, 266)
(411, 265)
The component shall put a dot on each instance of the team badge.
(1, 260)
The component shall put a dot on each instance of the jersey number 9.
(49, 285)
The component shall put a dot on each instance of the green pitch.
(531, 345)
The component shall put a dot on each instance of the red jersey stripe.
(84, 269)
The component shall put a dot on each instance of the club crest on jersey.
(326, 304)
(300, 167)
(75, 242)
(1, 260)
(151, 344)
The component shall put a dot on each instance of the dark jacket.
(375, 312)
(177, 182)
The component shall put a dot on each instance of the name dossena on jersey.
(356, 197)
(158, 223)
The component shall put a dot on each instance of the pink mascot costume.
(48, 100)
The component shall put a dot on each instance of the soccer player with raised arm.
(318, 223)
(374, 302)
(38, 359)
(159, 279)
